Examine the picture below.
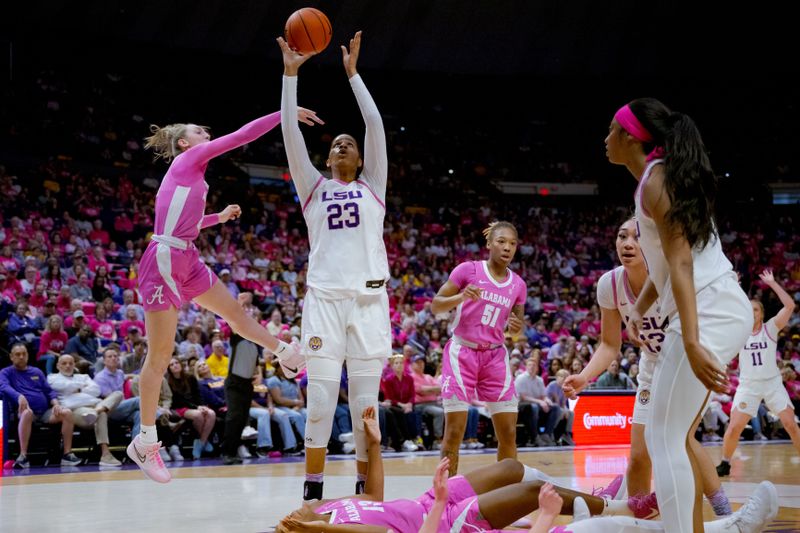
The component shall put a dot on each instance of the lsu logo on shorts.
(742, 405)
(315, 343)
(644, 397)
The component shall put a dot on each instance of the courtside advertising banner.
(603, 417)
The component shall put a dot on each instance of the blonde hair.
(488, 232)
(563, 373)
(164, 141)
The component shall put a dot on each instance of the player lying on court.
(485, 499)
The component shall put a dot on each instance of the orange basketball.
(308, 30)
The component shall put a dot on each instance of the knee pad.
(322, 397)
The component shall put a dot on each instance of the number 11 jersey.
(757, 359)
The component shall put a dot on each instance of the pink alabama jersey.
(181, 198)
(398, 515)
(484, 321)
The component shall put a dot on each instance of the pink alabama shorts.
(169, 276)
(462, 507)
(483, 374)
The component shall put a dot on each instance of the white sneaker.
(348, 447)
(249, 432)
(757, 512)
(243, 452)
(164, 455)
(175, 453)
(580, 511)
(409, 446)
(346, 437)
(759, 436)
(109, 460)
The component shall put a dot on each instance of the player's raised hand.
(472, 292)
(440, 480)
(292, 59)
(350, 56)
(307, 116)
(371, 427)
(767, 276)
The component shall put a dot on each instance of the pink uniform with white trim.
(171, 271)
(475, 362)
(461, 512)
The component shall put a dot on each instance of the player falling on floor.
(487, 296)
(171, 271)
(346, 311)
(709, 314)
(617, 291)
(484, 500)
(759, 377)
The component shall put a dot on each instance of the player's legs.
(734, 430)
(678, 399)
(219, 301)
(505, 427)
(711, 485)
(455, 423)
(787, 419)
(161, 327)
(495, 386)
(640, 468)
(324, 377)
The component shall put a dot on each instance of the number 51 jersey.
(345, 233)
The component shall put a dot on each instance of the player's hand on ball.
(707, 369)
(232, 212)
(292, 59)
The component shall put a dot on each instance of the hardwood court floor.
(206, 496)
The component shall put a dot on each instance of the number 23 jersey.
(757, 359)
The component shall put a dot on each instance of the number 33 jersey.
(757, 360)
(484, 321)
(614, 292)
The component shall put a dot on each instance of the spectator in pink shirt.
(98, 234)
(131, 319)
(427, 398)
(52, 344)
(103, 326)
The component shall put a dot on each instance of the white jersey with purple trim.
(345, 220)
(757, 359)
(709, 263)
(614, 292)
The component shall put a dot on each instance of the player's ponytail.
(488, 232)
(689, 179)
(164, 141)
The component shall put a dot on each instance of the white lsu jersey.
(709, 265)
(345, 220)
(757, 359)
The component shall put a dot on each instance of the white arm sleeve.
(304, 175)
(376, 162)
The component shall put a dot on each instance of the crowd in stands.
(74, 224)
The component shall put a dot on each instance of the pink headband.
(631, 124)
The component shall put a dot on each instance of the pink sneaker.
(644, 506)
(146, 457)
(610, 491)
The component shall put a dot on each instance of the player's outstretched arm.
(610, 342)
(785, 314)
(434, 517)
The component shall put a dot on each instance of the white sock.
(532, 474)
(148, 434)
(616, 508)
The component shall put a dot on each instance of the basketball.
(308, 30)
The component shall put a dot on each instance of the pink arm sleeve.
(209, 220)
(202, 153)
(462, 274)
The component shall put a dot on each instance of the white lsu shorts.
(750, 393)
(348, 328)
